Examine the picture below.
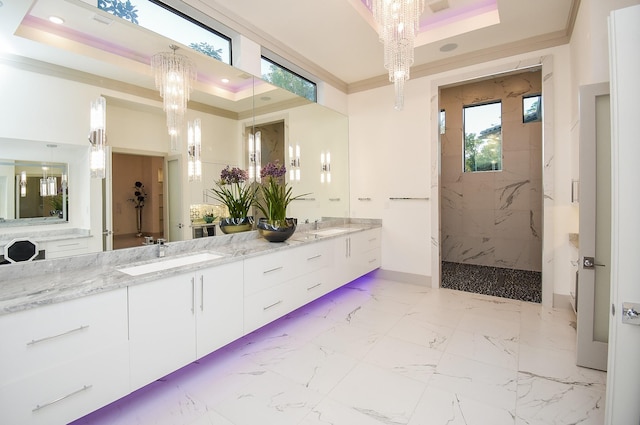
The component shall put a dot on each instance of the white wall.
(395, 154)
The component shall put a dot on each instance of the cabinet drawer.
(269, 270)
(312, 286)
(44, 337)
(266, 306)
(367, 240)
(64, 248)
(370, 260)
(314, 256)
(67, 391)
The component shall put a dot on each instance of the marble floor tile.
(441, 407)
(379, 352)
(414, 361)
(493, 350)
(547, 402)
(379, 394)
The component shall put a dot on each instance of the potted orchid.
(274, 200)
(233, 191)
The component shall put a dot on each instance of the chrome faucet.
(315, 225)
(161, 247)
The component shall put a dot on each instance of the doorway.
(491, 199)
(138, 199)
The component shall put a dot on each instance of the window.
(442, 121)
(532, 108)
(172, 24)
(288, 80)
(483, 137)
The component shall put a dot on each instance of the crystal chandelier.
(174, 75)
(398, 22)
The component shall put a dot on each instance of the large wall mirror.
(85, 58)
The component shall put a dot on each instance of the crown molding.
(468, 59)
(57, 71)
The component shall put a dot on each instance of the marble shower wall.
(493, 218)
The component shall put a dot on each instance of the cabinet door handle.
(373, 239)
(64, 397)
(314, 286)
(314, 257)
(193, 295)
(201, 292)
(346, 248)
(47, 338)
(272, 270)
(271, 305)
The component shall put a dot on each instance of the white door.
(175, 199)
(595, 227)
(623, 378)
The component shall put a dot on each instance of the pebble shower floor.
(520, 285)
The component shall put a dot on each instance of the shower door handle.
(590, 263)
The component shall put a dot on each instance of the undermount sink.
(169, 263)
(330, 232)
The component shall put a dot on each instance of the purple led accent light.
(210, 371)
(80, 37)
(431, 20)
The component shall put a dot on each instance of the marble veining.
(381, 352)
(32, 284)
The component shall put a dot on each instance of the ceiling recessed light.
(225, 80)
(448, 47)
(56, 20)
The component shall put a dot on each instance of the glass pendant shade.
(194, 150)
(97, 138)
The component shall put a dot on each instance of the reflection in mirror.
(33, 189)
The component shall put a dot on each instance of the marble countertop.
(44, 235)
(28, 285)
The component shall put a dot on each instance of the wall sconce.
(255, 156)
(23, 184)
(294, 162)
(325, 167)
(48, 185)
(194, 149)
(97, 138)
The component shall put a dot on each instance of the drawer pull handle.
(272, 270)
(373, 240)
(313, 286)
(39, 407)
(373, 261)
(35, 341)
(271, 306)
(314, 257)
(68, 244)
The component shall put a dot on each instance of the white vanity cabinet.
(65, 247)
(277, 283)
(62, 361)
(357, 254)
(220, 307)
(175, 320)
